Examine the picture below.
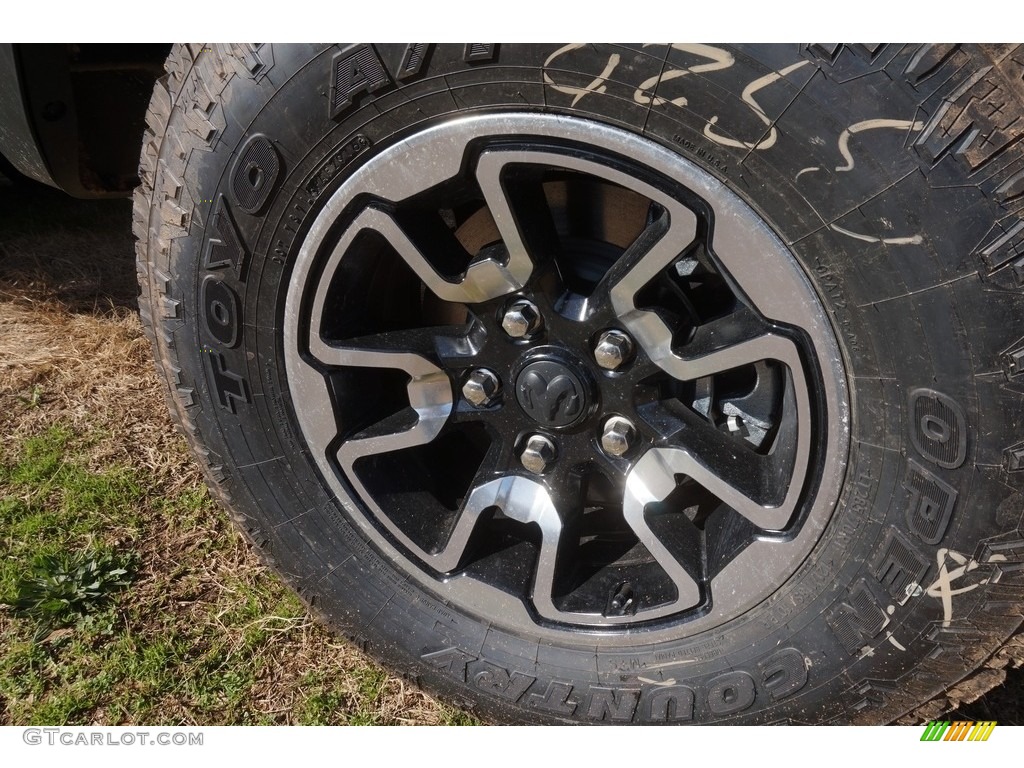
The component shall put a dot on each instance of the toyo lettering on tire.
(606, 383)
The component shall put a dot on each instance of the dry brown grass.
(205, 634)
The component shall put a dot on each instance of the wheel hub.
(574, 380)
(552, 393)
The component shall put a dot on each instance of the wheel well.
(86, 104)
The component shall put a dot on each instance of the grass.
(126, 597)
(168, 621)
(66, 532)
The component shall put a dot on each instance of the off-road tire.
(893, 175)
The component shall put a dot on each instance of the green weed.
(60, 591)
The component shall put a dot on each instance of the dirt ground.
(203, 634)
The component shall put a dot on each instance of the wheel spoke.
(715, 355)
(650, 481)
(520, 499)
(379, 350)
(720, 345)
(429, 391)
(483, 280)
(430, 404)
(443, 344)
(489, 168)
(658, 245)
(762, 488)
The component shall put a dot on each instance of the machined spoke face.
(554, 366)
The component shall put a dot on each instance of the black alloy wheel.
(555, 375)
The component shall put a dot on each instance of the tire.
(610, 384)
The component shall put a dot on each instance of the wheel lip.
(465, 594)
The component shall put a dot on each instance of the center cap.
(551, 393)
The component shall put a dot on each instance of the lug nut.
(613, 350)
(618, 436)
(522, 319)
(538, 453)
(481, 387)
